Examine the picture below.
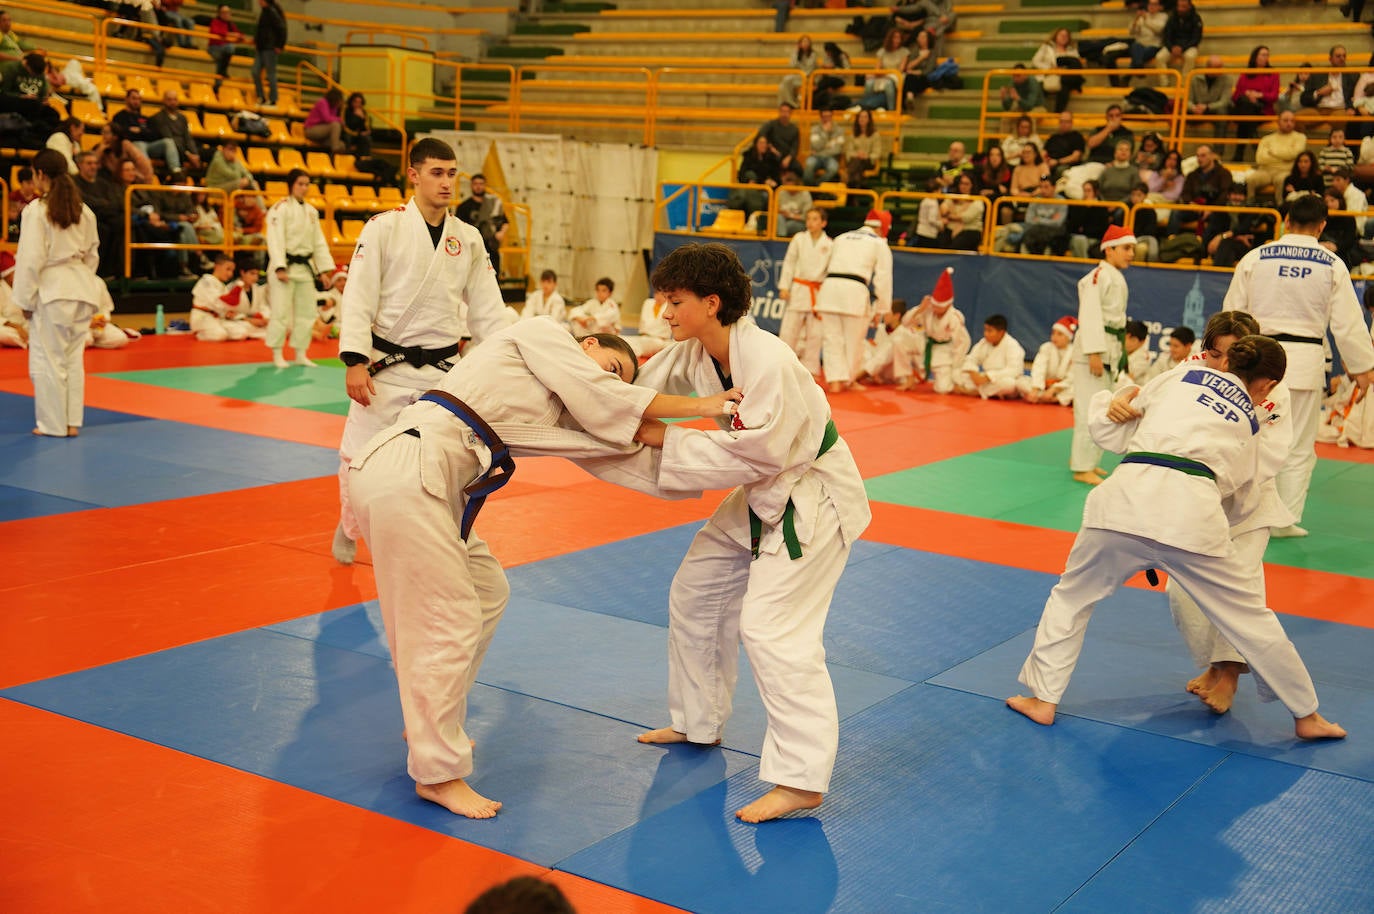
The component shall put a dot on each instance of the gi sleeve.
(323, 258)
(363, 294)
(1347, 324)
(276, 240)
(91, 256)
(789, 267)
(882, 280)
(34, 241)
(599, 402)
(1092, 332)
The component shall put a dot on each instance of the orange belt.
(814, 285)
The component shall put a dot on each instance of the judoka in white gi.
(994, 365)
(216, 316)
(57, 289)
(1049, 376)
(597, 315)
(1179, 347)
(297, 252)
(420, 279)
(327, 306)
(545, 301)
(1297, 290)
(14, 327)
(858, 259)
(942, 339)
(1139, 358)
(1194, 446)
(803, 270)
(528, 389)
(763, 569)
(1099, 345)
(654, 332)
(103, 332)
(889, 356)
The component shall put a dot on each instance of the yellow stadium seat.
(347, 166)
(352, 228)
(298, 133)
(87, 113)
(194, 125)
(275, 189)
(260, 161)
(336, 238)
(288, 104)
(231, 98)
(90, 139)
(365, 197)
(107, 81)
(141, 83)
(727, 220)
(316, 199)
(217, 125)
(321, 165)
(390, 196)
(280, 135)
(171, 85)
(336, 194)
(289, 158)
(201, 94)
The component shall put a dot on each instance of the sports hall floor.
(198, 714)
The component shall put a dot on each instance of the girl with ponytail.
(56, 285)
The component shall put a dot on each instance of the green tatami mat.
(320, 389)
(1029, 483)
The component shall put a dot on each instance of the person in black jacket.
(269, 40)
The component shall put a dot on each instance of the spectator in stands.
(1144, 225)
(12, 47)
(169, 14)
(1334, 156)
(1207, 185)
(1025, 178)
(1353, 198)
(880, 89)
(227, 171)
(103, 195)
(1043, 228)
(1182, 35)
(1102, 143)
(484, 212)
(1151, 152)
(142, 10)
(1274, 159)
(1023, 134)
(224, 42)
(24, 91)
(803, 58)
(112, 150)
(171, 124)
(1256, 91)
(1147, 34)
(1118, 176)
(357, 126)
(1165, 184)
(250, 221)
(1024, 92)
(1086, 225)
(25, 192)
(1305, 178)
(962, 219)
(758, 165)
(68, 141)
(207, 222)
(1059, 52)
(133, 125)
(992, 178)
(1209, 95)
(783, 136)
(958, 161)
(827, 145)
(793, 203)
(268, 41)
(920, 61)
(1340, 236)
(1291, 98)
(1230, 236)
(934, 16)
(324, 123)
(1332, 92)
(1065, 147)
(826, 93)
(862, 149)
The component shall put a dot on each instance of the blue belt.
(484, 485)
(789, 513)
(1169, 461)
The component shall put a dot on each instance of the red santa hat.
(6, 263)
(943, 296)
(1067, 325)
(1116, 235)
(340, 272)
(879, 219)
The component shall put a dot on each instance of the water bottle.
(160, 322)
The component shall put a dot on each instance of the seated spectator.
(1256, 91)
(1119, 175)
(1182, 35)
(1144, 225)
(1150, 154)
(1305, 178)
(804, 58)
(1209, 95)
(1291, 98)
(958, 161)
(994, 365)
(1049, 380)
(171, 124)
(1229, 236)
(105, 197)
(880, 89)
(25, 191)
(1352, 198)
(1209, 184)
(208, 225)
(1023, 134)
(1341, 235)
(1044, 227)
(357, 126)
(228, 173)
(1065, 147)
(1025, 178)
(12, 46)
(24, 90)
(1165, 184)
(1102, 142)
(1059, 52)
(937, 17)
(784, 139)
(157, 219)
(224, 42)
(993, 177)
(862, 149)
(924, 229)
(920, 61)
(827, 145)
(1024, 92)
(793, 203)
(134, 125)
(1334, 156)
(597, 315)
(826, 94)
(67, 141)
(1274, 159)
(142, 11)
(169, 14)
(1086, 225)
(962, 219)
(1333, 93)
(250, 221)
(72, 78)
(758, 165)
(545, 301)
(324, 123)
(1147, 34)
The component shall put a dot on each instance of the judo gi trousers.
(1083, 453)
(441, 599)
(1296, 473)
(722, 596)
(843, 349)
(1224, 587)
(293, 308)
(1205, 644)
(366, 421)
(57, 344)
(801, 331)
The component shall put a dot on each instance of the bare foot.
(1099, 471)
(73, 431)
(46, 435)
(836, 387)
(458, 798)
(906, 384)
(1042, 712)
(1314, 726)
(1220, 691)
(665, 735)
(1088, 478)
(855, 385)
(778, 802)
(1202, 681)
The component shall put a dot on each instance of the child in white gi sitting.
(1049, 378)
(941, 335)
(14, 329)
(545, 301)
(1177, 350)
(994, 365)
(597, 315)
(327, 305)
(1138, 355)
(880, 361)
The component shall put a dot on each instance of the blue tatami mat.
(129, 460)
(327, 720)
(941, 802)
(1255, 837)
(16, 504)
(1133, 670)
(606, 665)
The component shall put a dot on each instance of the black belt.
(1291, 338)
(411, 355)
(484, 485)
(302, 259)
(859, 279)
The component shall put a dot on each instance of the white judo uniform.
(215, 313)
(404, 289)
(654, 331)
(1171, 517)
(1004, 364)
(1297, 289)
(102, 332)
(55, 282)
(1102, 298)
(1050, 371)
(536, 305)
(594, 316)
(941, 344)
(295, 243)
(892, 355)
(13, 325)
(441, 596)
(1139, 367)
(803, 270)
(776, 605)
(858, 259)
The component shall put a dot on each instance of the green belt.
(789, 522)
(930, 350)
(1171, 462)
(1123, 363)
